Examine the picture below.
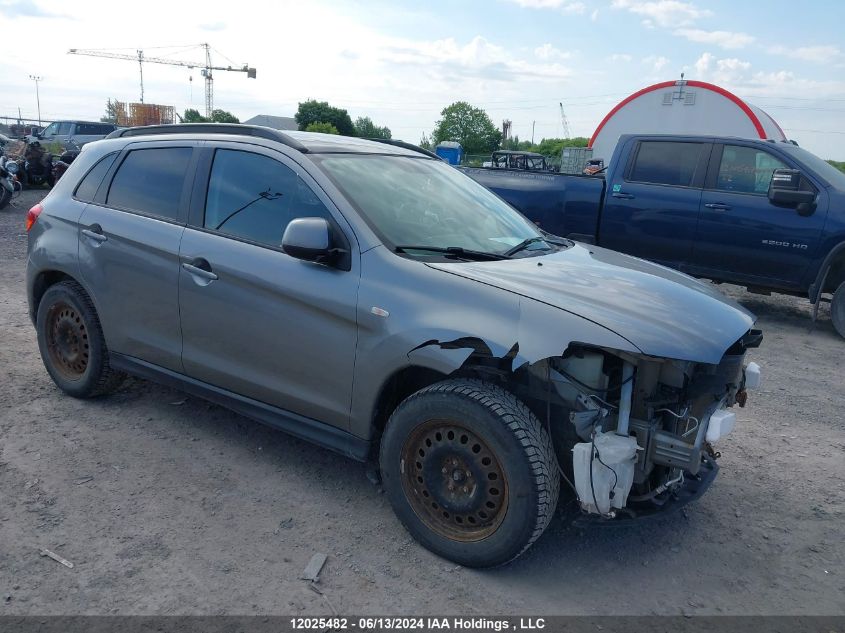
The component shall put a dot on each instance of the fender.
(815, 290)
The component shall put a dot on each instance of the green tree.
(323, 128)
(221, 116)
(313, 111)
(425, 142)
(840, 165)
(192, 115)
(469, 126)
(111, 112)
(365, 128)
(554, 146)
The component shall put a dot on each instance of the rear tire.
(5, 197)
(470, 472)
(71, 342)
(837, 309)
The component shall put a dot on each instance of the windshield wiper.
(524, 244)
(456, 251)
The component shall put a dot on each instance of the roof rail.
(212, 128)
(404, 145)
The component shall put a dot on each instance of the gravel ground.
(169, 505)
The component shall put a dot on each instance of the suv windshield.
(427, 203)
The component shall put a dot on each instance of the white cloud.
(620, 57)
(656, 62)
(664, 13)
(548, 52)
(594, 15)
(567, 6)
(723, 39)
(822, 54)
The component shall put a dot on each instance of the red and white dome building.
(682, 107)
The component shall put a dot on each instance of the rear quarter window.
(150, 181)
(87, 187)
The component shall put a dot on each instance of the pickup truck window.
(746, 169)
(426, 203)
(666, 163)
(255, 197)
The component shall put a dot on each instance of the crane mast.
(205, 67)
(564, 122)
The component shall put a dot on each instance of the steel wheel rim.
(67, 340)
(453, 481)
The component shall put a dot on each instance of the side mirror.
(309, 239)
(785, 190)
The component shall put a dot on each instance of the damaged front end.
(636, 433)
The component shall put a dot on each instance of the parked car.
(766, 215)
(70, 134)
(370, 298)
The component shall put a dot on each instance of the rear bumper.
(692, 488)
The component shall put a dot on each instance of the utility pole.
(533, 123)
(36, 79)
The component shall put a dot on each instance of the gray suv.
(73, 134)
(370, 298)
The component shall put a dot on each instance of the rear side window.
(92, 129)
(255, 197)
(666, 163)
(87, 188)
(151, 181)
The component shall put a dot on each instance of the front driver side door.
(741, 235)
(256, 321)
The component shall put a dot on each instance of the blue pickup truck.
(766, 215)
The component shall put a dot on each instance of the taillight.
(32, 215)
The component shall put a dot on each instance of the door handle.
(718, 205)
(199, 272)
(95, 232)
(623, 196)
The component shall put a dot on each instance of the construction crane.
(564, 122)
(205, 68)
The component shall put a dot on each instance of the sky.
(401, 63)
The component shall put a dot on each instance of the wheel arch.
(831, 273)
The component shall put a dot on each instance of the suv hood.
(662, 312)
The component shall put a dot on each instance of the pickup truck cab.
(708, 206)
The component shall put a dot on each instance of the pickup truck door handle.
(718, 205)
(200, 267)
(624, 196)
(95, 232)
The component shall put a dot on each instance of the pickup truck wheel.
(837, 309)
(470, 472)
(71, 342)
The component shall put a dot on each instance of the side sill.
(299, 426)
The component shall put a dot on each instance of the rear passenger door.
(129, 249)
(651, 204)
(256, 321)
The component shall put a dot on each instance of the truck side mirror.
(785, 191)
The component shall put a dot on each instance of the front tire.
(837, 309)
(470, 472)
(71, 342)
